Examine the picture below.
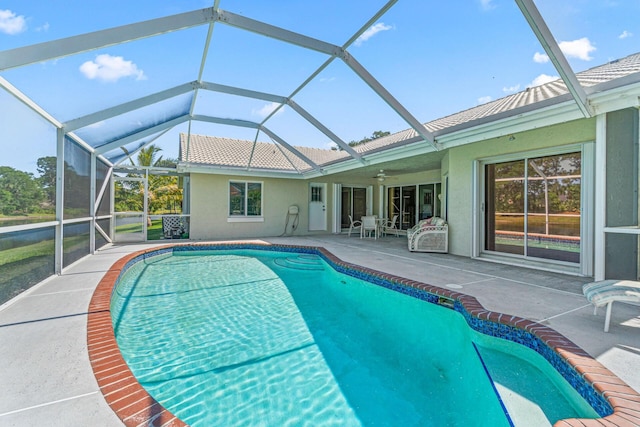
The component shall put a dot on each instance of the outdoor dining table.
(380, 224)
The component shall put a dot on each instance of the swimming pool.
(325, 363)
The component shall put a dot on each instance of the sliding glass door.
(354, 203)
(413, 202)
(532, 207)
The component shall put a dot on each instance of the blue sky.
(435, 57)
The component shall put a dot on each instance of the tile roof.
(229, 152)
(217, 151)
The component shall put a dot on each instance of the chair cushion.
(604, 291)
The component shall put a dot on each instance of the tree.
(47, 180)
(163, 194)
(19, 192)
(375, 135)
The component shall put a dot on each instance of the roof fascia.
(143, 133)
(542, 117)
(47, 51)
(545, 113)
(617, 98)
(187, 167)
(126, 107)
(416, 148)
(548, 42)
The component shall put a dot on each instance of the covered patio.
(47, 377)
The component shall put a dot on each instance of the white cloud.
(109, 68)
(484, 99)
(511, 89)
(540, 58)
(580, 49)
(625, 34)
(372, 31)
(487, 4)
(10, 23)
(267, 109)
(43, 28)
(542, 79)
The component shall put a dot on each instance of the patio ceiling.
(128, 126)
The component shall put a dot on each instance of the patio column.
(600, 197)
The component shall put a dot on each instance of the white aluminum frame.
(585, 266)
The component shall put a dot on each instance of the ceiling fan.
(381, 176)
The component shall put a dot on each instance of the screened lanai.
(86, 91)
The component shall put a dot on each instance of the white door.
(318, 207)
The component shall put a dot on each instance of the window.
(533, 207)
(245, 199)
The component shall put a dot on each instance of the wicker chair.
(429, 235)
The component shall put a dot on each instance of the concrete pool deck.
(47, 378)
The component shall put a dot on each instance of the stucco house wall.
(209, 207)
(460, 160)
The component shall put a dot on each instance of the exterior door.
(354, 203)
(318, 207)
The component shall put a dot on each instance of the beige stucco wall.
(459, 164)
(209, 204)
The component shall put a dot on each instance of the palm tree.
(163, 191)
(147, 156)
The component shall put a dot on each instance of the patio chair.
(605, 292)
(390, 226)
(172, 227)
(354, 225)
(369, 226)
(429, 235)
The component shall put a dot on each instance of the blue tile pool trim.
(443, 297)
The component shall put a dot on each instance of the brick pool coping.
(135, 407)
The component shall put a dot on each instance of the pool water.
(249, 337)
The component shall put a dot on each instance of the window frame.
(585, 266)
(245, 217)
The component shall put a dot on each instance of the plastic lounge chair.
(369, 226)
(605, 292)
(390, 226)
(354, 225)
(172, 227)
(429, 235)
